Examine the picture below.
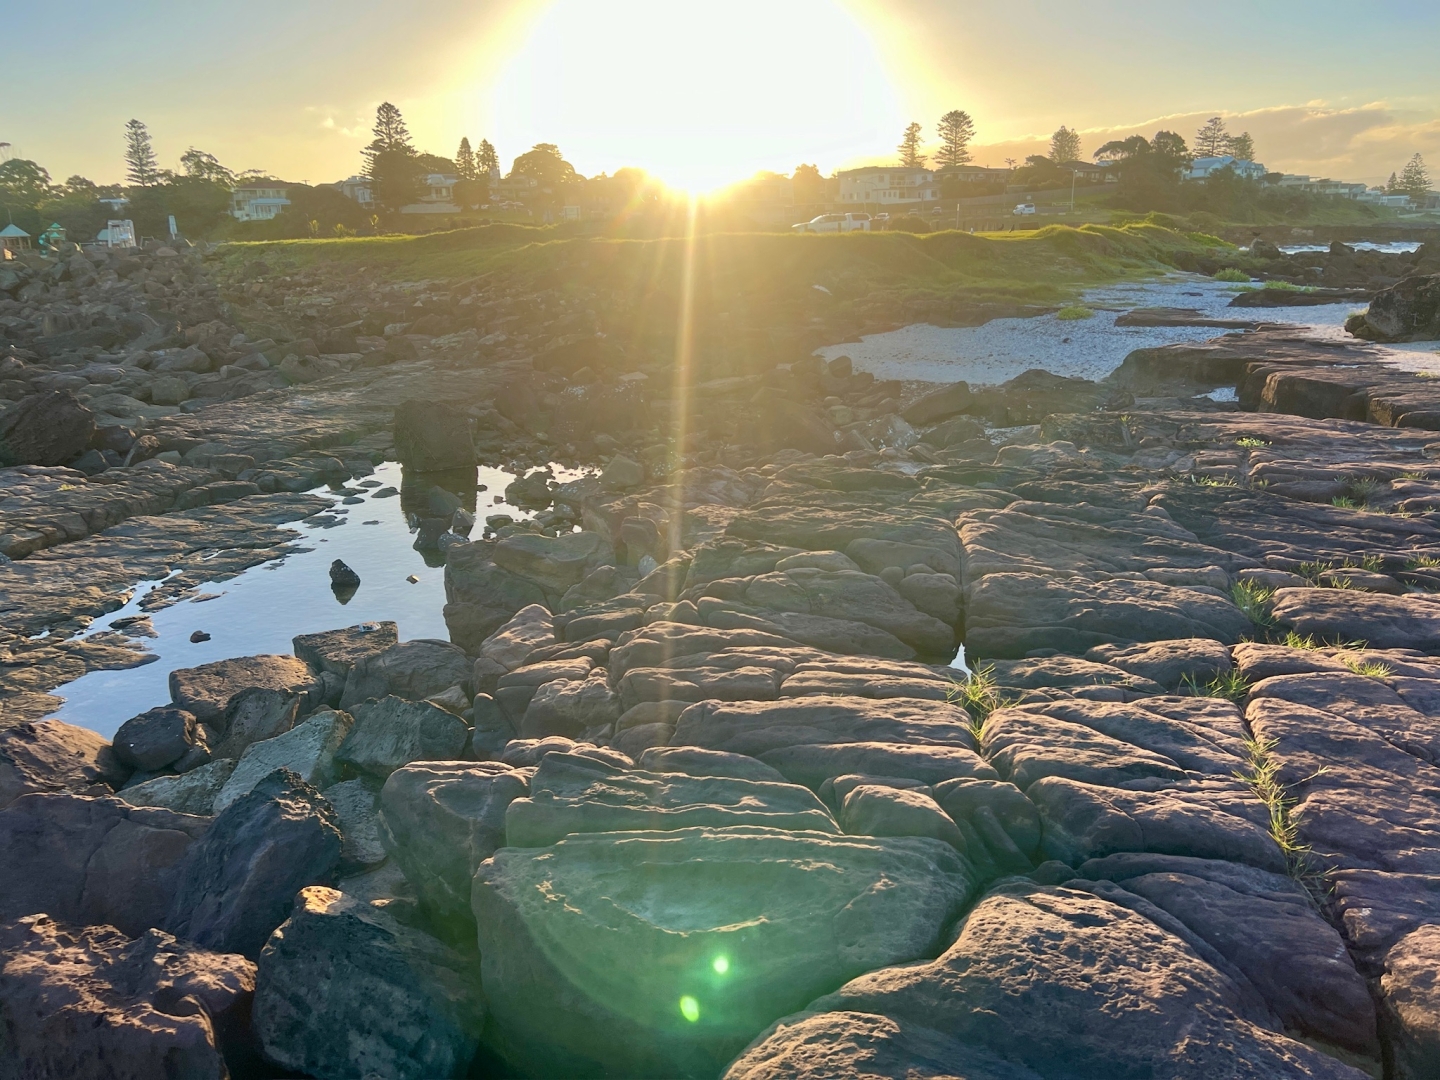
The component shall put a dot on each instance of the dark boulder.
(51, 755)
(51, 428)
(236, 885)
(431, 436)
(1407, 311)
(157, 738)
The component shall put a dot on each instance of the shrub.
(1231, 273)
(1074, 312)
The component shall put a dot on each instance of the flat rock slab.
(1009, 615)
(336, 651)
(207, 690)
(1343, 615)
(573, 794)
(396, 1002)
(51, 755)
(1067, 983)
(90, 1001)
(668, 952)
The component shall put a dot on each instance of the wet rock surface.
(698, 778)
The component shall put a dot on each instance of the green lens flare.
(690, 1008)
(721, 964)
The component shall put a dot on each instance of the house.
(894, 185)
(14, 238)
(1087, 172)
(358, 189)
(1203, 168)
(1379, 197)
(257, 202)
(513, 189)
(973, 174)
(1321, 186)
(439, 197)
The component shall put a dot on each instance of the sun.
(698, 94)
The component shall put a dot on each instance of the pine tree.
(1392, 186)
(956, 130)
(486, 159)
(465, 161)
(1414, 180)
(1241, 147)
(910, 156)
(1064, 145)
(390, 160)
(140, 164)
(1212, 140)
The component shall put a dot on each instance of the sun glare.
(699, 94)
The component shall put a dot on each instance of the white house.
(438, 199)
(358, 189)
(1202, 168)
(257, 202)
(879, 185)
(1321, 186)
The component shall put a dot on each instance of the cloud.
(359, 129)
(1365, 143)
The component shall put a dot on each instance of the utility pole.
(1073, 175)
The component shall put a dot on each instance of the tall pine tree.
(465, 161)
(1241, 147)
(1414, 180)
(390, 160)
(1212, 139)
(487, 161)
(140, 166)
(910, 156)
(956, 130)
(1064, 145)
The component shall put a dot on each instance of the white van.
(1025, 208)
(835, 223)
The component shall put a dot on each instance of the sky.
(702, 92)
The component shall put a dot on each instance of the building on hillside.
(1380, 197)
(1202, 168)
(1087, 172)
(14, 238)
(894, 185)
(513, 189)
(1321, 186)
(439, 197)
(257, 202)
(972, 174)
(357, 189)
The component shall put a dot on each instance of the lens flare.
(721, 964)
(690, 1008)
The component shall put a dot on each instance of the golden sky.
(702, 93)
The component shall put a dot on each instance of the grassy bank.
(1047, 266)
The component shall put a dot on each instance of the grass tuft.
(1231, 273)
(1230, 685)
(1262, 774)
(1254, 601)
(1249, 442)
(1074, 312)
(979, 696)
(1373, 669)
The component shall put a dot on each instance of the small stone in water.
(412, 579)
(199, 636)
(342, 577)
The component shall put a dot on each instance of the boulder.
(157, 738)
(1410, 1003)
(90, 1001)
(622, 473)
(336, 651)
(863, 1046)
(480, 597)
(938, 405)
(255, 715)
(50, 428)
(432, 436)
(410, 669)
(1068, 984)
(529, 629)
(1409, 310)
(1169, 663)
(51, 755)
(236, 884)
(570, 707)
(607, 928)
(190, 792)
(439, 820)
(554, 563)
(573, 794)
(357, 804)
(393, 732)
(92, 861)
(207, 690)
(346, 989)
(873, 810)
(307, 750)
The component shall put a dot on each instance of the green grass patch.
(1231, 273)
(979, 696)
(1251, 443)
(1254, 601)
(1373, 669)
(1230, 685)
(1262, 774)
(1074, 312)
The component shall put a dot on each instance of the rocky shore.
(699, 785)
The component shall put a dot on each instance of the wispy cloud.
(357, 129)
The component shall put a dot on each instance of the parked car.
(1025, 208)
(937, 212)
(882, 217)
(835, 223)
